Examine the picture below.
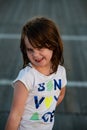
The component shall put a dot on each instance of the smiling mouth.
(39, 60)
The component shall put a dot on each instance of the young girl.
(40, 85)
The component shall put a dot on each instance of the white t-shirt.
(42, 99)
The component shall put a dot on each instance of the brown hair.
(42, 32)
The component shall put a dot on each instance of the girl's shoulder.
(61, 70)
(25, 70)
(26, 76)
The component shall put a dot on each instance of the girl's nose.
(36, 53)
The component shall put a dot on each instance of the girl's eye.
(29, 50)
(41, 49)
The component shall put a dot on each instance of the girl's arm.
(19, 99)
(61, 96)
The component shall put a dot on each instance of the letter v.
(37, 103)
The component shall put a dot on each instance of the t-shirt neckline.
(30, 64)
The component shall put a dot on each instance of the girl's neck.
(46, 70)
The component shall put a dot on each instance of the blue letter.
(57, 84)
(41, 87)
(48, 116)
(56, 98)
(37, 103)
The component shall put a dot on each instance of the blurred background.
(71, 18)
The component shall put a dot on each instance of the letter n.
(57, 84)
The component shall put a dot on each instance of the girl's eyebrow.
(28, 48)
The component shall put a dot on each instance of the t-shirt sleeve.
(64, 78)
(24, 78)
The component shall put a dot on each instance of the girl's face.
(38, 57)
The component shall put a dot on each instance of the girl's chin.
(41, 64)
